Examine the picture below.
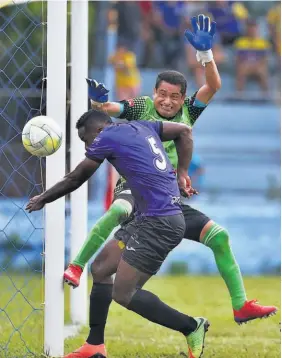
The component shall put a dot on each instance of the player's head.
(169, 93)
(90, 124)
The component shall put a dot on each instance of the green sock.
(117, 213)
(218, 240)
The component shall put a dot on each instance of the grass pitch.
(21, 316)
(131, 336)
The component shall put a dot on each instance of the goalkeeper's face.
(168, 99)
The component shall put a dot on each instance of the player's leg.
(217, 238)
(202, 229)
(147, 248)
(128, 293)
(103, 267)
(119, 211)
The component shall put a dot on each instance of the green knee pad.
(119, 211)
(216, 238)
(120, 208)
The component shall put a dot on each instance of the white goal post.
(55, 170)
(79, 105)
(54, 330)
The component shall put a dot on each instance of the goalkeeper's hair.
(93, 117)
(174, 78)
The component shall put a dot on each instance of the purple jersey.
(136, 151)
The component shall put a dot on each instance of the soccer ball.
(42, 136)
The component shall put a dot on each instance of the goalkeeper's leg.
(202, 229)
(119, 211)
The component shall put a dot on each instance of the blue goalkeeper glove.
(202, 37)
(97, 92)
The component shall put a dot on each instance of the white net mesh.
(22, 74)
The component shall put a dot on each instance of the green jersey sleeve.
(136, 108)
(194, 112)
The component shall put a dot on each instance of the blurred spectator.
(129, 23)
(194, 8)
(147, 33)
(168, 29)
(127, 73)
(274, 22)
(230, 17)
(251, 57)
(196, 172)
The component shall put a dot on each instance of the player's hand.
(203, 33)
(35, 203)
(185, 186)
(97, 92)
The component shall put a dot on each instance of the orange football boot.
(89, 351)
(252, 310)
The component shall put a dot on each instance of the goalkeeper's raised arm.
(201, 38)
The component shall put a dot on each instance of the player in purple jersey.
(136, 151)
(124, 145)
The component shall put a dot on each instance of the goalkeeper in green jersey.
(169, 103)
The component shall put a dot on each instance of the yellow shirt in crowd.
(130, 76)
(252, 44)
(274, 20)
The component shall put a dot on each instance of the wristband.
(204, 56)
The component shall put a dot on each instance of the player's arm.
(71, 181)
(212, 85)
(100, 149)
(131, 109)
(68, 184)
(182, 136)
(202, 40)
(113, 109)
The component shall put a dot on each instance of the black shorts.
(148, 240)
(194, 219)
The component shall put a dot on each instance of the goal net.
(22, 74)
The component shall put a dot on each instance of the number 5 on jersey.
(160, 160)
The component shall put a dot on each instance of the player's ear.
(155, 93)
